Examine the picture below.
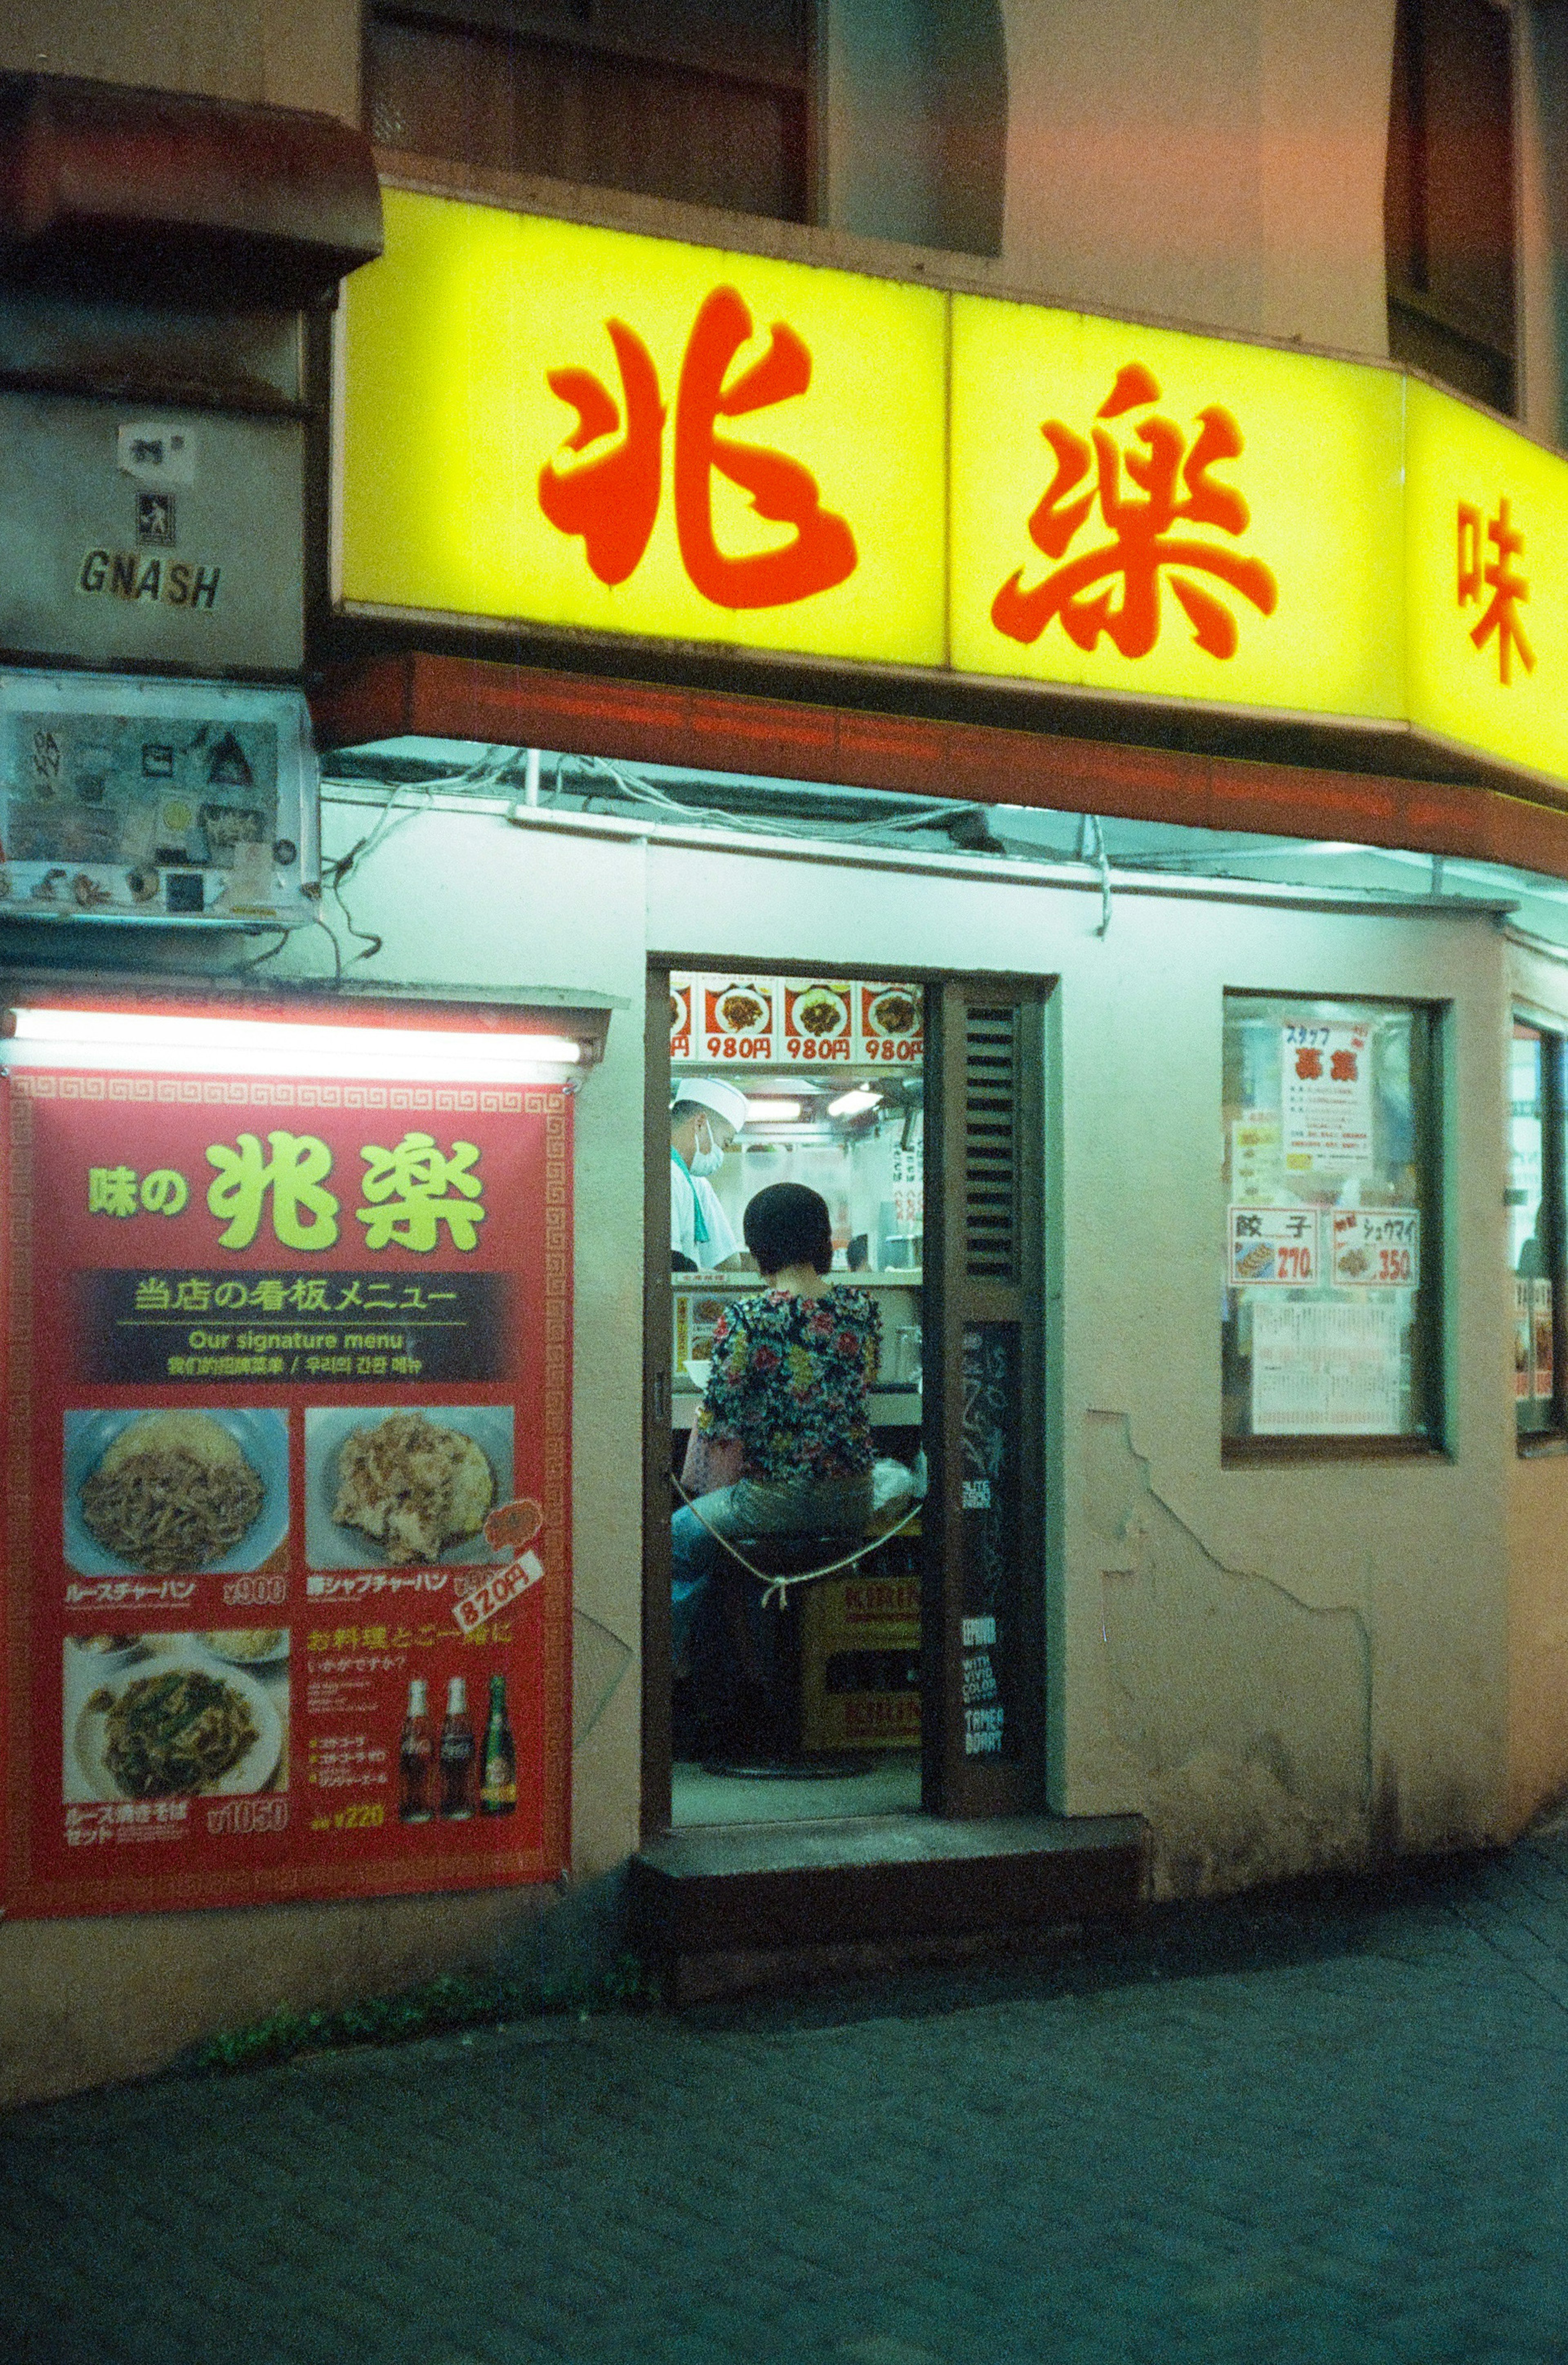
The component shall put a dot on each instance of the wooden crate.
(860, 1646)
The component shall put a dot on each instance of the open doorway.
(896, 1669)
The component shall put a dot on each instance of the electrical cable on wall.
(1092, 849)
(491, 770)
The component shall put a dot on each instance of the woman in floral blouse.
(787, 1396)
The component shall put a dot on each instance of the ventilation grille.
(991, 1143)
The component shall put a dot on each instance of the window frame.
(580, 36)
(1422, 321)
(1430, 1021)
(1551, 1033)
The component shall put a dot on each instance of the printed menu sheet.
(285, 1537)
(1326, 1369)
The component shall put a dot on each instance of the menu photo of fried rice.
(404, 1485)
(174, 1491)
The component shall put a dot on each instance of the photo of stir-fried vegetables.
(176, 1732)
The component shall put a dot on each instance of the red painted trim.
(462, 698)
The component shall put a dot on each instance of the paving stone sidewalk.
(1265, 2132)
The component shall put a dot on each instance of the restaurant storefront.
(1046, 527)
(735, 669)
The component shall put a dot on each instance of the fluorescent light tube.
(238, 1046)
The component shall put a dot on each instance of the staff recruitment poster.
(286, 1487)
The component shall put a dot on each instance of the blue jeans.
(751, 1508)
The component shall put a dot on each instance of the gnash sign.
(131, 542)
(133, 576)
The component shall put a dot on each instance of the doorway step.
(719, 1910)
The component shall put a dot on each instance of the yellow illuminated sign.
(547, 422)
(586, 428)
(1141, 511)
(1486, 584)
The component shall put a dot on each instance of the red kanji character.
(1342, 1067)
(1309, 1064)
(822, 552)
(612, 499)
(1142, 544)
(1506, 587)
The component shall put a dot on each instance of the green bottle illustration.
(497, 1782)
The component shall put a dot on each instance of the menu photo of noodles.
(171, 1492)
(163, 1717)
(387, 1488)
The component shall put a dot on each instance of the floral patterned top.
(790, 1378)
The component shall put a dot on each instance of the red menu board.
(286, 1439)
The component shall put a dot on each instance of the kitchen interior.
(833, 1074)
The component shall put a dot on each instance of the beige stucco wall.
(1280, 1665)
(270, 52)
(1220, 163)
(1281, 1668)
(459, 902)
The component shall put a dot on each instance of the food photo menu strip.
(793, 1022)
(286, 1544)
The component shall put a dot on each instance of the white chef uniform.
(691, 1196)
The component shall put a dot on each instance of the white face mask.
(708, 1160)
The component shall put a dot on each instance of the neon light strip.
(228, 1047)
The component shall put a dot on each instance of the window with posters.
(287, 1400)
(1331, 1301)
(1536, 1228)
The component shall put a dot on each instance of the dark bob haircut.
(788, 1224)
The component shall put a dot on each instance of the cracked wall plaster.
(600, 1659)
(1244, 1714)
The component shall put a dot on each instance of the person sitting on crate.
(782, 1443)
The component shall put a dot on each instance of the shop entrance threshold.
(724, 1908)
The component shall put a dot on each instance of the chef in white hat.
(704, 1121)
